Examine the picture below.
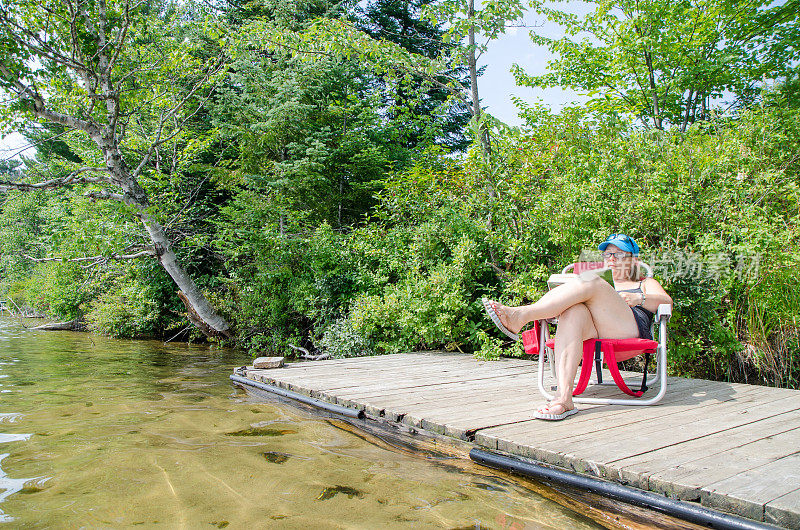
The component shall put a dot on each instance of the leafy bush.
(137, 301)
(59, 289)
(341, 340)
(446, 232)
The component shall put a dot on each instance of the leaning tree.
(124, 77)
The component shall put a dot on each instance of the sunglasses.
(618, 255)
(621, 237)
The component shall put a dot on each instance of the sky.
(497, 85)
(10, 144)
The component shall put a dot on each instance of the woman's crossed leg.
(586, 309)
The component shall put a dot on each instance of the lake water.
(104, 433)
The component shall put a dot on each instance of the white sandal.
(555, 417)
(496, 319)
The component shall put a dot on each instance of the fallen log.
(307, 355)
(72, 325)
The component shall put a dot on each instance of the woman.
(589, 309)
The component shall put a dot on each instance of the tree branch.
(41, 48)
(169, 114)
(456, 92)
(39, 108)
(105, 194)
(93, 261)
(120, 38)
(70, 180)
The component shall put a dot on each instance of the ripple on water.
(17, 485)
(171, 436)
(9, 417)
(5, 438)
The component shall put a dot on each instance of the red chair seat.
(614, 351)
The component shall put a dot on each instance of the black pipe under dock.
(730, 447)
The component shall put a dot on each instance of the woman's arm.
(653, 295)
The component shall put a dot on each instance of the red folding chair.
(608, 351)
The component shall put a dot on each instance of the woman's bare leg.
(611, 315)
(575, 325)
(586, 309)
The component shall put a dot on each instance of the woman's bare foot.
(555, 407)
(555, 411)
(511, 317)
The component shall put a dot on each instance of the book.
(558, 279)
(605, 274)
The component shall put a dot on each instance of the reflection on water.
(10, 485)
(120, 433)
(15, 485)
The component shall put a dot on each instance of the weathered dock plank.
(679, 469)
(783, 510)
(703, 472)
(732, 447)
(749, 492)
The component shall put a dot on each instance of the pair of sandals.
(543, 413)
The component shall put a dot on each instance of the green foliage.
(429, 306)
(308, 136)
(491, 348)
(134, 300)
(341, 340)
(665, 62)
(419, 111)
(724, 194)
(307, 196)
(58, 289)
(488, 19)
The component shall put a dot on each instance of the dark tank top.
(643, 317)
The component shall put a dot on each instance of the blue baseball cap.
(621, 241)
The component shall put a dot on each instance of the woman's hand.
(633, 299)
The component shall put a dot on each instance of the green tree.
(469, 32)
(423, 111)
(122, 79)
(666, 61)
(308, 136)
(339, 37)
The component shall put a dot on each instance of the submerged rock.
(275, 458)
(332, 491)
(261, 431)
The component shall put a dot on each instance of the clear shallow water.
(96, 432)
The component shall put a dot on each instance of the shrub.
(58, 289)
(136, 300)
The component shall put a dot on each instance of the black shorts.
(643, 319)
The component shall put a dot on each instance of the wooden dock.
(731, 447)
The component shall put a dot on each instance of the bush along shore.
(715, 210)
(320, 178)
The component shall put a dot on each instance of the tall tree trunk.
(657, 120)
(687, 112)
(210, 322)
(341, 176)
(282, 215)
(703, 108)
(483, 132)
(472, 63)
(201, 314)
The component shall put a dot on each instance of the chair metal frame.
(660, 320)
